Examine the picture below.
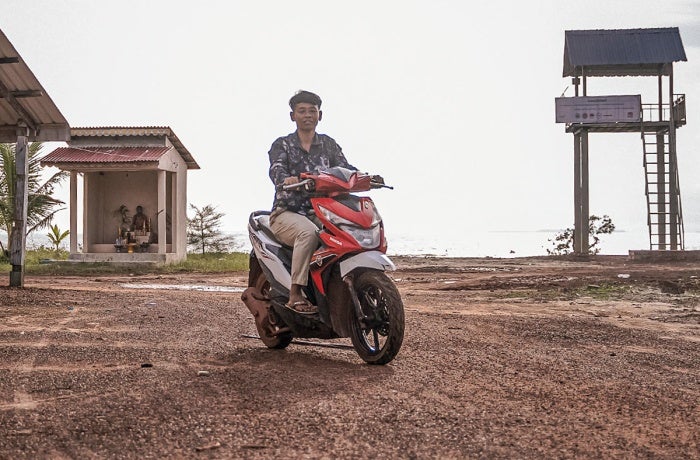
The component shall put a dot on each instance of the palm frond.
(41, 205)
(43, 223)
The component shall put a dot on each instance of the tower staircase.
(664, 213)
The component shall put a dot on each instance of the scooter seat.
(262, 222)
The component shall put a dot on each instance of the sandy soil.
(503, 358)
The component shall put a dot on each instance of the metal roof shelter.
(67, 157)
(621, 53)
(136, 136)
(24, 104)
(618, 53)
(27, 113)
(126, 167)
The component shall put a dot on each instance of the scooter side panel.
(266, 251)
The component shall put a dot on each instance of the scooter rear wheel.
(379, 339)
(267, 330)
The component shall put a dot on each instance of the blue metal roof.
(622, 52)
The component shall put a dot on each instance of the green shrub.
(43, 254)
(564, 242)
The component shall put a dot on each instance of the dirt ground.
(502, 358)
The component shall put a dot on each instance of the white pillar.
(182, 203)
(73, 206)
(86, 226)
(175, 216)
(162, 223)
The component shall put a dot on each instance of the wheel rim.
(374, 333)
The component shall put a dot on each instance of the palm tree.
(41, 205)
(56, 235)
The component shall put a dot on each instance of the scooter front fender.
(370, 259)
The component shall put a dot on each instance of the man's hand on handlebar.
(294, 184)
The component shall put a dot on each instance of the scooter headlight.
(333, 218)
(368, 238)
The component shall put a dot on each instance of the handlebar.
(298, 185)
(308, 184)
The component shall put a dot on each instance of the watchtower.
(623, 53)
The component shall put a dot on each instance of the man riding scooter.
(345, 292)
(292, 218)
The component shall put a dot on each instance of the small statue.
(139, 221)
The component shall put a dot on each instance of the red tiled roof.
(104, 155)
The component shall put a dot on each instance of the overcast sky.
(451, 101)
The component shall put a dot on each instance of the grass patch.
(45, 261)
(535, 295)
(604, 291)
(41, 255)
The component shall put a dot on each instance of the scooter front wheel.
(378, 337)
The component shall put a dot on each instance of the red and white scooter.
(347, 281)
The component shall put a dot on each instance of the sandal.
(302, 307)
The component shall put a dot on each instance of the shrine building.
(124, 170)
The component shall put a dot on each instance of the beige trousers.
(301, 234)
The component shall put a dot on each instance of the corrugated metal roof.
(65, 155)
(119, 131)
(622, 52)
(22, 98)
(124, 131)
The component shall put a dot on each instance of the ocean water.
(500, 244)
(503, 244)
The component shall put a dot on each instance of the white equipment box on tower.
(599, 109)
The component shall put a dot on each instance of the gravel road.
(503, 358)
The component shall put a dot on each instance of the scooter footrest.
(302, 325)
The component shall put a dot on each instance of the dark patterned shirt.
(288, 158)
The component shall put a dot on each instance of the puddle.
(183, 287)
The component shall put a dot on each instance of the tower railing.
(651, 112)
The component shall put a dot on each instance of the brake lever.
(379, 185)
(298, 185)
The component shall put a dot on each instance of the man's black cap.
(305, 96)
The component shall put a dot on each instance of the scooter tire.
(380, 340)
